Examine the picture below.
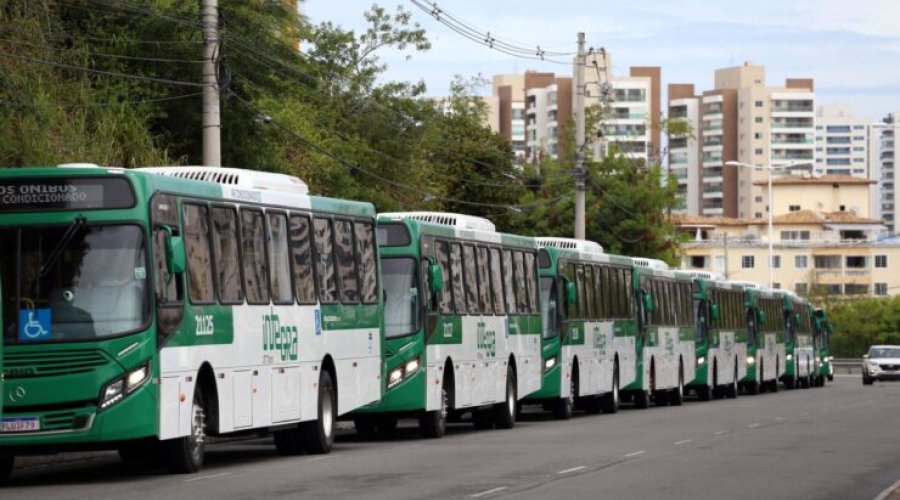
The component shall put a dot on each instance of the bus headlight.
(549, 363)
(790, 357)
(402, 372)
(701, 360)
(116, 390)
(751, 360)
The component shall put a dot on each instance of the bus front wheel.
(185, 454)
(433, 424)
(505, 412)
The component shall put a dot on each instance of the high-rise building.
(842, 142)
(683, 154)
(884, 157)
(742, 119)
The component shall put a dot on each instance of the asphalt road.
(841, 442)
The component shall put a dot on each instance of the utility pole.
(579, 172)
(212, 122)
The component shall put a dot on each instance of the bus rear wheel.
(609, 402)
(318, 435)
(676, 397)
(505, 412)
(732, 390)
(185, 455)
(563, 407)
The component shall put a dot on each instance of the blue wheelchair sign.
(34, 324)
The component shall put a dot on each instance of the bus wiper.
(62, 244)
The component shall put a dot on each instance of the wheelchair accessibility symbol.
(34, 324)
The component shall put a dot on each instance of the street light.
(769, 168)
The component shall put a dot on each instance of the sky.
(851, 48)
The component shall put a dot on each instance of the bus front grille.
(48, 364)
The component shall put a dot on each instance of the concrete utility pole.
(579, 139)
(212, 122)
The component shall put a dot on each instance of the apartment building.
(742, 119)
(683, 154)
(842, 142)
(884, 157)
(823, 240)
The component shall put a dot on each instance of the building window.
(758, 104)
(758, 151)
(801, 261)
(747, 262)
(758, 119)
(881, 289)
(795, 235)
(794, 208)
(881, 261)
(758, 215)
(856, 262)
(776, 286)
(776, 262)
(854, 289)
(801, 288)
(757, 135)
(758, 199)
(833, 289)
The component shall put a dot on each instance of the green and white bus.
(765, 344)
(589, 345)
(666, 333)
(148, 309)
(721, 347)
(822, 331)
(800, 357)
(462, 322)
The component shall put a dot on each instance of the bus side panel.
(626, 349)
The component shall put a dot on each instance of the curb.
(890, 491)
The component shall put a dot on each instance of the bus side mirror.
(649, 306)
(436, 278)
(571, 293)
(714, 313)
(760, 316)
(175, 254)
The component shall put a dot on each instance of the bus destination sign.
(73, 193)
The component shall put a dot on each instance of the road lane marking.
(887, 492)
(632, 455)
(779, 419)
(488, 492)
(719, 433)
(211, 476)
(683, 441)
(753, 425)
(573, 469)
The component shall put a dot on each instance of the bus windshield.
(74, 282)
(549, 307)
(401, 294)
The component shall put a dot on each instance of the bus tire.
(704, 392)
(317, 436)
(433, 424)
(483, 419)
(732, 390)
(185, 455)
(365, 426)
(505, 412)
(676, 396)
(609, 402)
(753, 387)
(7, 461)
(563, 407)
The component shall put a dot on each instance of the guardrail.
(847, 366)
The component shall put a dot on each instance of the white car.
(881, 363)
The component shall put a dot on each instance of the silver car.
(881, 363)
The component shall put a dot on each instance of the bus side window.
(531, 281)
(225, 255)
(456, 272)
(253, 246)
(497, 282)
(169, 287)
(325, 279)
(484, 281)
(521, 289)
(509, 290)
(346, 261)
(368, 271)
(471, 273)
(279, 262)
(301, 259)
(196, 247)
(443, 260)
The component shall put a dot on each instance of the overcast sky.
(851, 48)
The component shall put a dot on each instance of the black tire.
(661, 397)
(433, 424)
(676, 396)
(591, 405)
(609, 402)
(139, 454)
(867, 380)
(753, 388)
(317, 436)
(732, 390)
(483, 419)
(563, 407)
(7, 462)
(773, 385)
(505, 412)
(831, 378)
(386, 425)
(185, 455)
(705, 392)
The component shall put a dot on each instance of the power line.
(97, 54)
(99, 104)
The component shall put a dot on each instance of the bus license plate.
(24, 424)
